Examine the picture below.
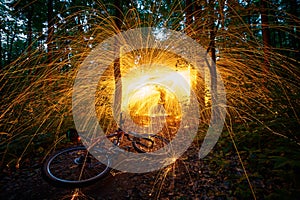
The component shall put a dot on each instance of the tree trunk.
(293, 24)
(50, 31)
(212, 48)
(199, 87)
(189, 17)
(222, 15)
(118, 14)
(279, 32)
(7, 48)
(10, 44)
(212, 36)
(29, 29)
(117, 66)
(1, 58)
(265, 34)
(197, 15)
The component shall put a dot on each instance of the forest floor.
(188, 178)
(261, 167)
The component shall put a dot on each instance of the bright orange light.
(153, 102)
(155, 93)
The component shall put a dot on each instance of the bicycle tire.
(63, 168)
(149, 144)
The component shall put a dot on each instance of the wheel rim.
(144, 145)
(63, 167)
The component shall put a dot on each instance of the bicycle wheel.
(74, 167)
(149, 144)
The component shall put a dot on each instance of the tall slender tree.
(189, 16)
(118, 19)
(265, 33)
(34, 14)
(1, 58)
(294, 25)
(29, 14)
(50, 31)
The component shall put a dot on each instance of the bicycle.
(75, 167)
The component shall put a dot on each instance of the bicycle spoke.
(64, 168)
